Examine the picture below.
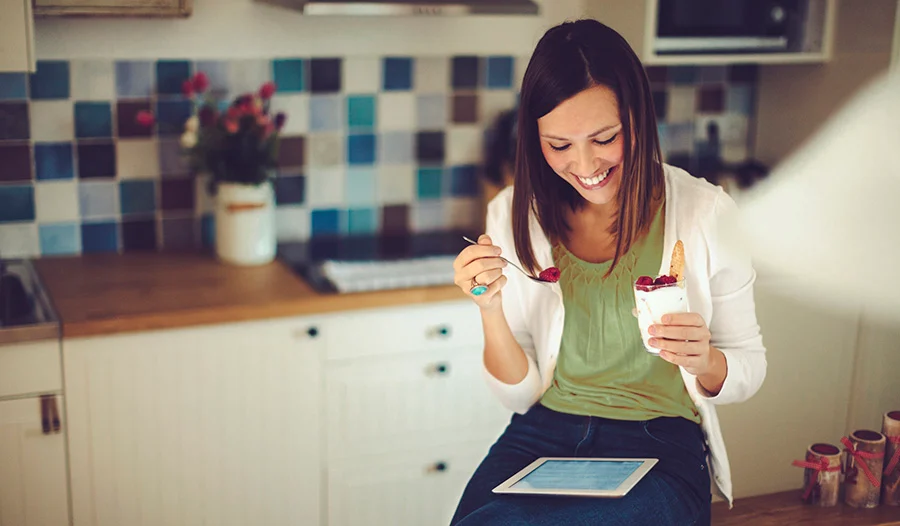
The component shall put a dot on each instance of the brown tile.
(711, 99)
(395, 220)
(465, 108)
(743, 73)
(291, 152)
(180, 234)
(126, 119)
(14, 124)
(15, 162)
(177, 194)
(139, 235)
(96, 160)
(657, 74)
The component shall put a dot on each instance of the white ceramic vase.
(245, 223)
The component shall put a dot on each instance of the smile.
(596, 181)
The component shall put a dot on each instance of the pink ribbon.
(863, 455)
(820, 466)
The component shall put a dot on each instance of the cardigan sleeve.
(733, 323)
(521, 396)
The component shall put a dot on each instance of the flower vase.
(245, 223)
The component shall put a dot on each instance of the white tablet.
(580, 477)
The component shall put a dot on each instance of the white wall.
(243, 28)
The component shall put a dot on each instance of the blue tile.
(397, 73)
(289, 75)
(97, 200)
(12, 86)
(360, 187)
(430, 183)
(361, 149)
(361, 112)
(363, 221)
(290, 190)
(171, 116)
(739, 99)
(62, 239)
(51, 80)
(326, 223)
(170, 76)
(325, 113)
(683, 74)
(134, 79)
(99, 237)
(137, 197)
(216, 71)
(464, 181)
(93, 119)
(208, 230)
(499, 72)
(18, 203)
(54, 161)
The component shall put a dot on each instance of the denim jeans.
(675, 492)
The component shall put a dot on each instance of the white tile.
(682, 104)
(52, 120)
(432, 75)
(20, 240)
(137, 158)
(396, 111)
(734, 153)
(464, 213)
(465, 144)
(681, 138)
(519, 71)
(93, 80)
(246, 76)
(325, 149)
(427, 216)
(292, 223)
(296, 107)
(396, 184)
(325, 187)
(495, 102)
(56, 201)
(361, 75)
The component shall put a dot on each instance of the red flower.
(207, 116)
(231, 126)
(187, 87)
(267, 90)
(145, 118)
(201, 82)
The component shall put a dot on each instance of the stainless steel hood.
(409, 7)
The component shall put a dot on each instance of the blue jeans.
(675, 492)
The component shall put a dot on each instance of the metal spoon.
(478, 290)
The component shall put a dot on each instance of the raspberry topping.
(550, 274)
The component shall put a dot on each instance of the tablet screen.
(603, 475)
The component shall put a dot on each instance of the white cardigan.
(719, 286)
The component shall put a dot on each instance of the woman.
(593, 198)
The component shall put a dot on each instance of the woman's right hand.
(480, 265)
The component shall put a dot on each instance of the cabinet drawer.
(32, 367)
(397, 402)
(420, 487)
(398, 330)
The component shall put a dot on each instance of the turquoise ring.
(477, 290)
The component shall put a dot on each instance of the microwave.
(728, 26)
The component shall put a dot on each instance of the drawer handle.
(441, 331)
(438, 467)
(312, 332)
(440, 369)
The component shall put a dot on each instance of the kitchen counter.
(109, 293)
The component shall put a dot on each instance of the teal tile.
(18, 203)
(430, 183)
(363, 221)
(170, 76)
(60, 239)
(289, 75)
(51, 80)
(361, 112)
(12, 86)
(137, 197)
(93, 120)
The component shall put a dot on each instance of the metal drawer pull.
(441, 331)
(440, 369)
(437, 467)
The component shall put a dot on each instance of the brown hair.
(570, 58)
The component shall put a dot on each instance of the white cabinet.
(16, 36)
(213, 425)
(32, 464)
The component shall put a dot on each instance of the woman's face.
(582, 141)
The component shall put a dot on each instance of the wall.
(385, 126)
(795, 100)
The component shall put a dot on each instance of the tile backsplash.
(372, 144)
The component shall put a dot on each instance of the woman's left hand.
(683, 339)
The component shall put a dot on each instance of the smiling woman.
(593, 198)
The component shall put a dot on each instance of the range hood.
(409, 7)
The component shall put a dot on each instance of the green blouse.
(603, 369)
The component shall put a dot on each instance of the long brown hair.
(570, 58)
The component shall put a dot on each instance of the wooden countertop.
(106, 294)
(779, 509)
